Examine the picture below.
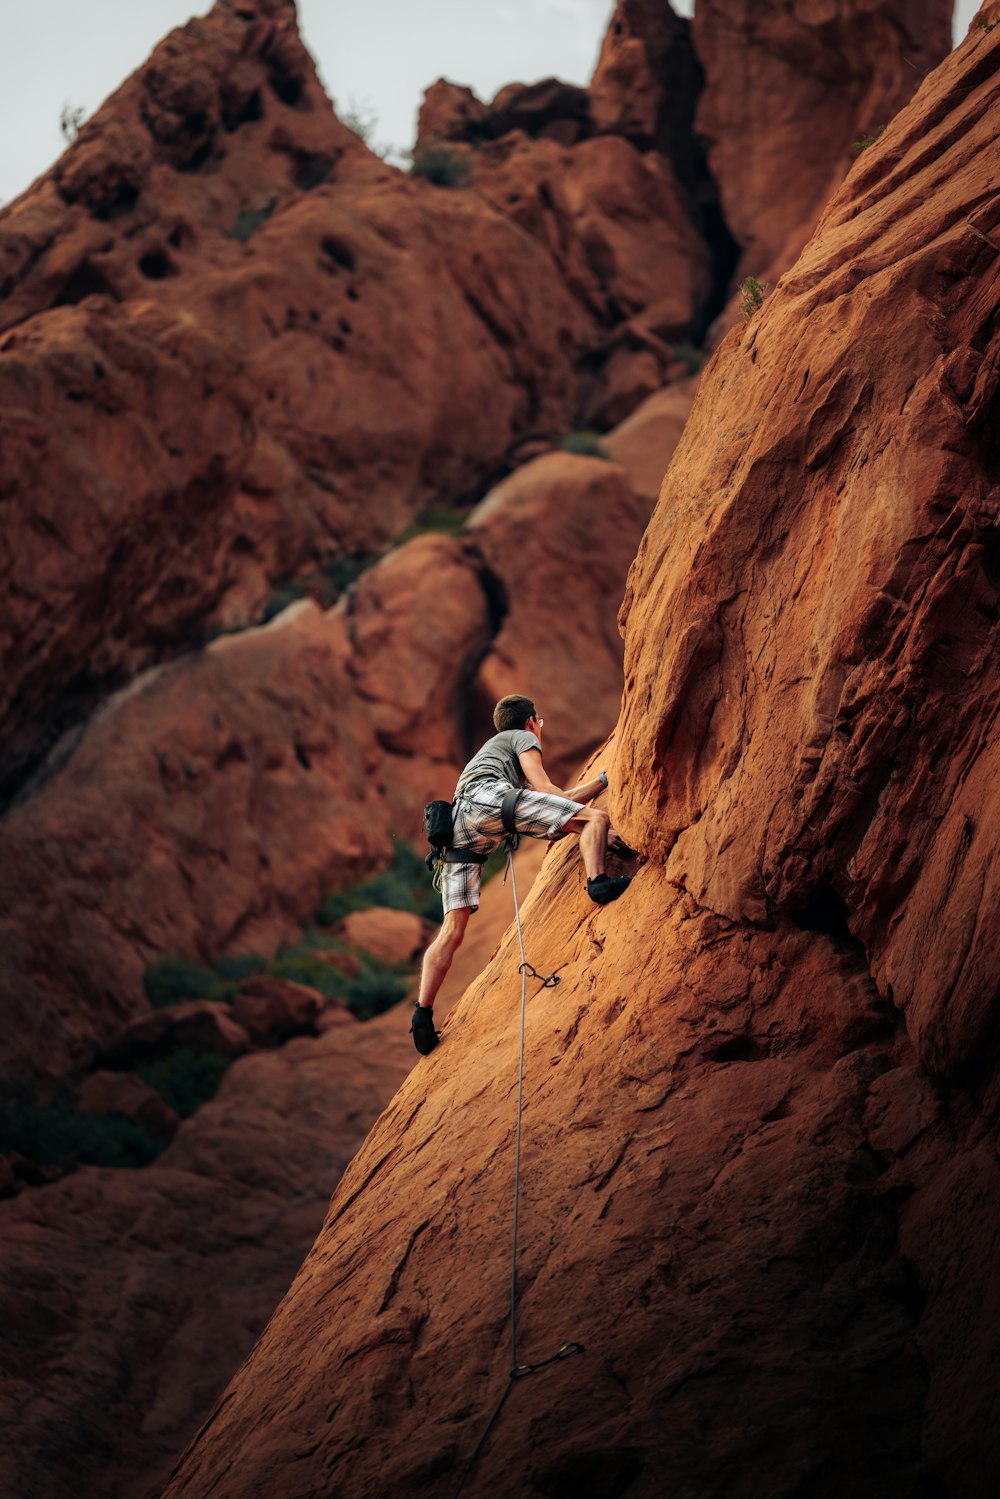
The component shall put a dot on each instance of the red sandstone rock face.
(170, 1273)
(788, 91)
(867, 711)
(759, 1166)
(647, 80)
(586, 205)
(559, 529)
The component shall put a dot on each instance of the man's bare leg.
(592, 827)
(438, 957)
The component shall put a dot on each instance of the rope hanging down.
(517, 1371)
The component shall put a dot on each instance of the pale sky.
(378, 55)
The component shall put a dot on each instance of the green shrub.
(185, 1078)
(587, 444)
(687, 353)
(405, 886)
(752, 293)
(441, 165)
(54, 1134)
(866, 141)
(342, 572)
(239, 967)
(169, 980)
(283, 595)
(376, 989)
(304, 968)
(249, 220)
(440, 518)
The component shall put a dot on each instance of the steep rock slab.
(716, 1185)
(821, 573)
(129, 1297)
(789, 89)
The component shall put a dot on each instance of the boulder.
(554, 522)
(271, 1010)
(391, 936)
(216, 799)
(202, 1024)
(619, 225)
(646, 84)
(644, 443)
(126, 1095)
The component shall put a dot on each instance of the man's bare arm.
(537, 779)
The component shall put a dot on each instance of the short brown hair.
(512, 712)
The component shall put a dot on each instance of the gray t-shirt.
(497, 760)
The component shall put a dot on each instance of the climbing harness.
(439, 826)
(525, 969)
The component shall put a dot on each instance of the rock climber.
(511, 759)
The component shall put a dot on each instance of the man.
(512, 758)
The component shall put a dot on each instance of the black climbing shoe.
(425, 1037)
(607, 887)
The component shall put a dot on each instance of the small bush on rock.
(866, 141)
(404, 886)
(185, 1078)
(441, 165)
(249, 220)
(54, 1134)
(752, 293)
(586, 444)
(167, 981)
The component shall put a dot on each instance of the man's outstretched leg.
(437, 961)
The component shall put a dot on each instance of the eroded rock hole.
(156, 265)
(245, 112)
(737, 1049)
(287, 87)
(122, 202)
(990, 559)
(829, 915)
(87, 280)
(310, 171)
(340, 253)
(198, 157)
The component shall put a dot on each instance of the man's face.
(535, 726)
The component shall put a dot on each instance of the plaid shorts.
(479, 826)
